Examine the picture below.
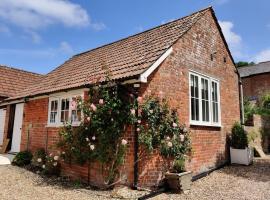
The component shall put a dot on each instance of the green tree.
(243, 64)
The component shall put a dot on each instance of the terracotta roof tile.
(125, 58)
(13, 81)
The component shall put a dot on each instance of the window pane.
(205, 100)
(194, 88)
(197, 110)
(53, 112)
(64, 110)
(215, 103)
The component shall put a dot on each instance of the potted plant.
(179, 179)
(240, 152)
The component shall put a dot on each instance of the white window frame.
(49, 113)
(210, 80)
(58, 97)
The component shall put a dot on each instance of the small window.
(204, 100)
(65, 110)
(76, 113)
(194, 98)
(53, 111)
(215, 102)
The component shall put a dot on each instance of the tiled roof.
(263, 67)
(13, 81)
(125, 58)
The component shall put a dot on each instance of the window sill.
(206, 125)
(60, 125)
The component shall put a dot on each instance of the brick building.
(187, 59)
(12, 81)
(255, 80)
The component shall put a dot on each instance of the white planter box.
(242, 156)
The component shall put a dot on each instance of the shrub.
(249, 110)
(239, 139)
(159, 129)
(52, 165)
(39, 158)
(22, 158)
(179, 165)
(265, 101)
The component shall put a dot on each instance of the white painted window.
(204, 100)
(53, 111)
(63, 108)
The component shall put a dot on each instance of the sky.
(40, 35)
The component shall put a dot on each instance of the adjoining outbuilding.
(12, 81)
(255, 79)
(187, 60)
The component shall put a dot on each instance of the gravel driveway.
(230, 183)
(234, 182)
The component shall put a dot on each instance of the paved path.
(5, 159)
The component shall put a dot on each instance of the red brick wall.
(36, 134)
(191, 52)
(254, 86)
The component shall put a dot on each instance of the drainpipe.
(242, 114)
(136, 144)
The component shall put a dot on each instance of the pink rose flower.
(101, 101)
(133, 111)
(73, 105)
(92, 147)
(139, 121)
(88, 119)
(174, 125)
(124, 142)
(140, 99)
(182, 138)
(93, 107)
(138, 129)
(169, 144)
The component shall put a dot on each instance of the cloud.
(233, 39)
(33, 14)
(98, 26)
(65, 48)
(262, 56)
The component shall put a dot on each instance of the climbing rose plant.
(159, 128)
(107, 113)
(100, 137)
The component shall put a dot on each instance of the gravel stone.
(232, 182)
